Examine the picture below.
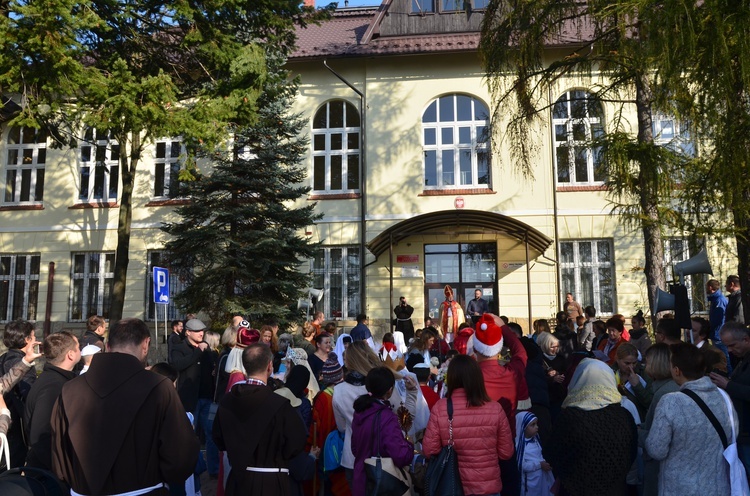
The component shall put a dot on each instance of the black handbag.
(442, 477)
(383, 476)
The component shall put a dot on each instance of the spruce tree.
(240, 241)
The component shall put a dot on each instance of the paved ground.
(208, 486)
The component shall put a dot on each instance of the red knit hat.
(488, 339)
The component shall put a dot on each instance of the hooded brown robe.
(120, 428)
(258, 428)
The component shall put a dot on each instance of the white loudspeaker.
(303, 304)
(664, 301)
(694, 265)
(316, 293)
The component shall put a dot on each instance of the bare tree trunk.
(649, 199)
(122, 259)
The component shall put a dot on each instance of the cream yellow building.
(412, 193)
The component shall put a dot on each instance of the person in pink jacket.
(481, 433)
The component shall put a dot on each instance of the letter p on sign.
(161, 285)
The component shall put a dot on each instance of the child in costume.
(536, 473)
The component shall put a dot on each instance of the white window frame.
(25, 162)
(107, 169)
(92, 270)
(452, 129)
(595, 264)
(592, 126)
(170, 165)
(673, 133)
(349, 281)
(176, 286)
(326, 155)
(8, 287)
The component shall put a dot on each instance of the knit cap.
(333, 373)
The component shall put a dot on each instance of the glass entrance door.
(463, 266)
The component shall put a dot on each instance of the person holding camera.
(404, 324)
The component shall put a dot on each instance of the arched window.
(455, 133)
(577, 118)
(336, 131)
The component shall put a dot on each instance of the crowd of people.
(586, 406)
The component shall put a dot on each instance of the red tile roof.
(338, 36)
(342, 36)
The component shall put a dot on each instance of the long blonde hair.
(359, 357)
(229, 337)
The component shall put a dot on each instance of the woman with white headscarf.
(343, 341)
(593, 430)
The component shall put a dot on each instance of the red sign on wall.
(459, 202)
(405, 259)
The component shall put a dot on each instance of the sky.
(352, 3)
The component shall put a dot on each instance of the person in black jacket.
(195, 362)
(734, 311)
(96, 326)
(175, 337)
(18, 334)
(62, 353)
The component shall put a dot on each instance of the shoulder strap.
(374, 436)
(218, 369)
(711, 417)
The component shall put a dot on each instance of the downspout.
(362, 188)
(528, 276)
(554, 210)
(48, 306)
(390, 279)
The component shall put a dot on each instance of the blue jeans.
(204, 414)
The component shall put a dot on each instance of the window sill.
(171, 201)
(6, 208)
(583, 187)
(94, 205)
(334, 196)
(457, 191)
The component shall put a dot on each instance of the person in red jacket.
(503, 383)
(500, 381)
(615, 327)
(481, 433)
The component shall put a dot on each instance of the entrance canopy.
(436, 222)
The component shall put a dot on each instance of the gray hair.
(737, 330)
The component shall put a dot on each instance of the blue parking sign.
(161, 285)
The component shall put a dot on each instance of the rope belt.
(267, 470)
(136, 492)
